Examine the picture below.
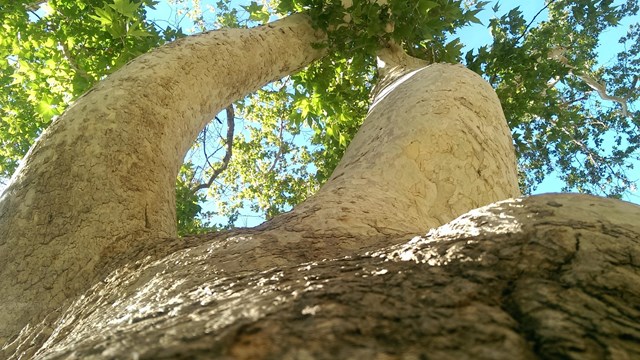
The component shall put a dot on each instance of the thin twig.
(35, 5)
(66, 53)
(534, 19)
(33, 12)
(227, 155)
(280, 148)
(594, 158)
(204, 144)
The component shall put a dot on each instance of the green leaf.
(474, 20)
(105, 16)
(425, 5)
(117, 29)
(44, 109)
(125, 7)
(139, 33)
(257, 12)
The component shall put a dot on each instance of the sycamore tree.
(569, 115)
(91, 262)
(551, 66)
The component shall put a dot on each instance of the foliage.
(546, 77)
(189, 212)
(269, 166)
(47, 60)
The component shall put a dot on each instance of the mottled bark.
(341, 276)
(546, 277)
(103, 175)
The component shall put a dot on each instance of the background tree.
(568, 112)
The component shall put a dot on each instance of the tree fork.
(419, 161)
(542, 277)
(102, 176)
(435, 145)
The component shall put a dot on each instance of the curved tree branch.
(135, 125)
(227, 155)
(557, 54)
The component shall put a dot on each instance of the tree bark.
(545, 277)
(344, 275)
(103, 175)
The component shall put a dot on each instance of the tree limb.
(557, 54)
(602, 91)
(227, 155)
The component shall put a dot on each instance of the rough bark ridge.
(103, 175)
(548, 277)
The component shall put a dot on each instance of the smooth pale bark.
(435, 145)
(103, 175)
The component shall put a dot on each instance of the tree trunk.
(341, 276)
(548, 277)
(102, 177)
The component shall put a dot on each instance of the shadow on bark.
(545, 277)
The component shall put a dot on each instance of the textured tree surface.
(343, 275)
(551, 276)
(102, 176)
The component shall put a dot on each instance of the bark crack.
(147, 223)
